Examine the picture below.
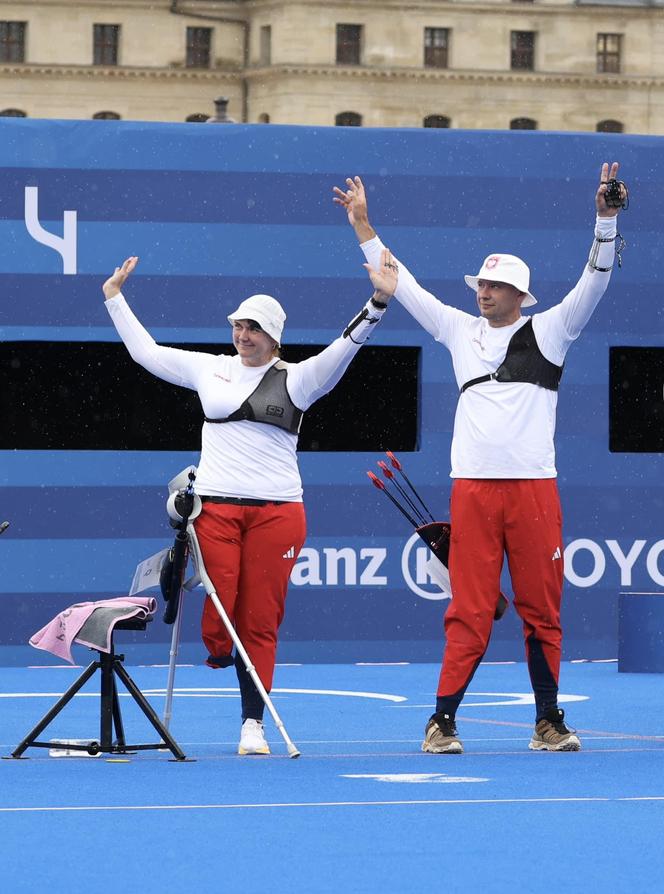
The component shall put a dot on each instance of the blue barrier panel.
(641, 633)
(216, 213)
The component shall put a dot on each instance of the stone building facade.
(578, 65)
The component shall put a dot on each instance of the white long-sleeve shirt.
(240, 459)
(504, 429)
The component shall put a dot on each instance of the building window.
(12, 41)
(523, 51)
(609, 126)
(349, 44)
(436, 45)
(105, 43)
(523, 124)
(199, 43)
(12, 113)
(436, 121)
(106, 116)
(197, 118)
(348, 119)
(265, 57)
(608, 53)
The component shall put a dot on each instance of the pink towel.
(59, 634)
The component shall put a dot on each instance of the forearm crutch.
(183, 507)
(197, 559)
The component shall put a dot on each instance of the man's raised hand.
(353, 200)
(608, 173)
(114, 283)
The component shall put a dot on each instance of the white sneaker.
(252, 738)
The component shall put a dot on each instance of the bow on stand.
(181, 505)
(435, 534)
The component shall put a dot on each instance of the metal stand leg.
(117, 717)
(110, 666)
(111, 717)
(55, 710)
(108, 697)
(146, 708)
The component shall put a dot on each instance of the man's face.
(499, 302)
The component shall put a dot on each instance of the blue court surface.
(362, 810)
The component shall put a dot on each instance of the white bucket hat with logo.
(505, 268)
(264, 310)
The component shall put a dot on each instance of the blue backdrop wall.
(218, 213)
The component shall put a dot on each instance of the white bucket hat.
(505, 268)
(264, 310)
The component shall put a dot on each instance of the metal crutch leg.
(172, 659)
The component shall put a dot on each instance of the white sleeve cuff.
(606, 227)
(373, 310)
(371, 245)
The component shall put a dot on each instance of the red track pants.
(249, 552)
(491, 518)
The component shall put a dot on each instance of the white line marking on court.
(370, 742)
(382, 696)
(218, 692)
(80, 666)
(506, 699)
(413, 777)
(184, 694)
(282, 804)
(594, 661)
(166, 665)
(120, 694)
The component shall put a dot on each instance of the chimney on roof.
(220, 114)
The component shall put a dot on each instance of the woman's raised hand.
(385, 279)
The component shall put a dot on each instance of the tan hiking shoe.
(440, 735)
(551, 734)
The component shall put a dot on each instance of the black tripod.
(110, 664)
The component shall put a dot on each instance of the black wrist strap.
(380, 305)
(363, 315)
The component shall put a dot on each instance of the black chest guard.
(524, 362)
(269, 403)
